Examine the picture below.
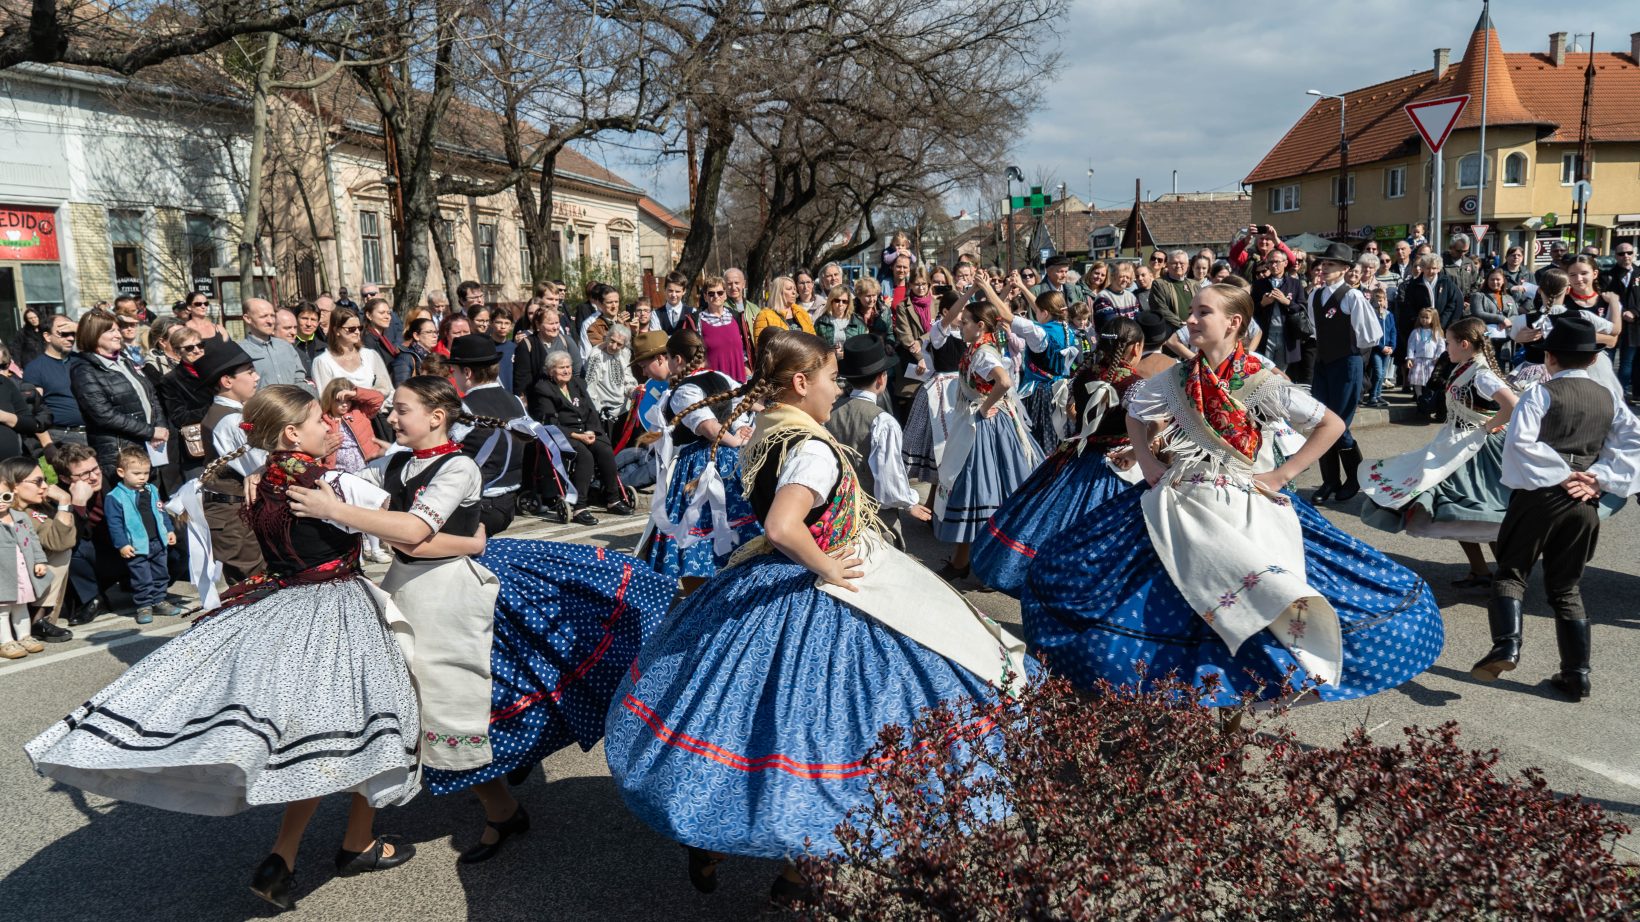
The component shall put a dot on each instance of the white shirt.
(1363, 318)
(685, 396)
(813, 466)
(458, 483)
(1529, 464)
(893, 487)
(372, 373)
(227, 437)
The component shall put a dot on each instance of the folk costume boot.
(1572, 636)
(1351, 458)
(1330, 479)
(1505, 620)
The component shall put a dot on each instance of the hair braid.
(482, 422)
(211, 469)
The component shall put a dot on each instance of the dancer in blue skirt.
(1079, 475)
(1216, 570)
(743, 726)
(702, 516)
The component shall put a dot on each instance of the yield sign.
(1434, 118)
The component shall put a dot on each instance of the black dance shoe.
(349, 863)
(621, 507)
(47, 632)
(272, 882)
(951, 573)
(702, 869)
(515, 825)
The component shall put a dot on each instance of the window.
(525, 269)
(1351, 186)
(1284, 198)
(1569, 164)
(370, 243)
(1514, 169)
(1395, 182)
(1469, 171)
(486, 253)
(125, 235)
(201, 232)
(615, 251)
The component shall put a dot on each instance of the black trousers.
(497, 512)
(1547, 524)
(600, 455)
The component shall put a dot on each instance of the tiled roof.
(1523, 89)
(1171, 223)
(662, 214)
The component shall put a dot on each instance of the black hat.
(473, 349)
(1335, 252)
(1057, 259)
(1155, 327)
(221, 358)
(1571, 333)
(863, 357)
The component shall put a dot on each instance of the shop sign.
(28, 233)
(1390, 232)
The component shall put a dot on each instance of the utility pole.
(1486, 62)
(1343, 165)
(1583, 145)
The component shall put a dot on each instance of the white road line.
(538, 530)
(1621, 776)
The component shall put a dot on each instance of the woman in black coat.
(30, 341)
(117, 400)
(563, 401)
(21, 419)
(186, 397)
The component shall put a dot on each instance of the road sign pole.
(1435, 222)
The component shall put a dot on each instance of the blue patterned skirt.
(1039, 407)
(569, 621)
(744, 725)
(996, 467)
(1061, 490)
(1100, 600)
(700, 559)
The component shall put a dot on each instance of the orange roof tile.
(662, 214)
(1523, 89)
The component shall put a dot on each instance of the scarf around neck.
(781, 429)
(1209, 390)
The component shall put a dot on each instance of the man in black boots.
(1346, 329)
(475, 366)
(1570, 440)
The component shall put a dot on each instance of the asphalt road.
(65, 855)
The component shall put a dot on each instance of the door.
(11, 316)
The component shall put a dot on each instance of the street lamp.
(1343, 165)
(1014, 174)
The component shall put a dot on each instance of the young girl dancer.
(741, 727)
(702, 517)
(293, 689)
(1217, 572)
(1562, 291)
(517, 652)
(1047, 366)
(940, 354)
(1450, 488)
(988, 452)
(1076, 478)
(1424, 346)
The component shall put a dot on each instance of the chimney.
(1634, 46)
(1443, 57)
(1557, 48)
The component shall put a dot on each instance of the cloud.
(1207, 88)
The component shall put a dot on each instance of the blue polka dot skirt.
(1099, 601)
(701, 558)
(1060, 491)
(569, 621)
(745, 724)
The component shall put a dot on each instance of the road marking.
(530, 531)
(1619, 775)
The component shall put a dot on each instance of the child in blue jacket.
(1382, 358)
(139, 529)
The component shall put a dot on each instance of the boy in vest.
(859, 422)
(1346, 329)
(1569, 441)
(637, 442)
(234, 378)
(475, 367)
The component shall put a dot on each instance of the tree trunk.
(449, 263)
(720, 138)
(251, 219)
(536, 213)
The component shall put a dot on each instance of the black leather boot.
(1572, 636)
(1351, 459)
(1504, 618)
(1328, 467)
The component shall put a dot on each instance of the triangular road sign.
(1434, 118)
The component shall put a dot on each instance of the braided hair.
(1472, 330)
(690, 351)
(436, 393)
(266, 416)
(781, 356)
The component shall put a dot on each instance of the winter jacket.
(125, 525)
(115, 414)
(20, 534)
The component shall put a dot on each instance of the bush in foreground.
(1139, 805)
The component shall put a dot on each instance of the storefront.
(30, 275)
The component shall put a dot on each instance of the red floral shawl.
(1209, 391)
(981, 385)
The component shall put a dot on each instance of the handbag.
(193, 440)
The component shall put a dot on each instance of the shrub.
(1140, 805)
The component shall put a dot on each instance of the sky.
(1146, 87)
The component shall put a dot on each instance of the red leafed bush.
(1140, 805)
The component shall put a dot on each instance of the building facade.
(1533, 134)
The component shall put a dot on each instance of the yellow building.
(1534, 109)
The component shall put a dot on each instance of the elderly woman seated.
(566, 404)
(609, 375)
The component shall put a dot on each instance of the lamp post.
(1015, 174)
(1343, 165)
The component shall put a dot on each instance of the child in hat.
(641, 431)
(1569, 442)
(859, 422)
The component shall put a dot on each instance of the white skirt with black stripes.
(299, 694)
